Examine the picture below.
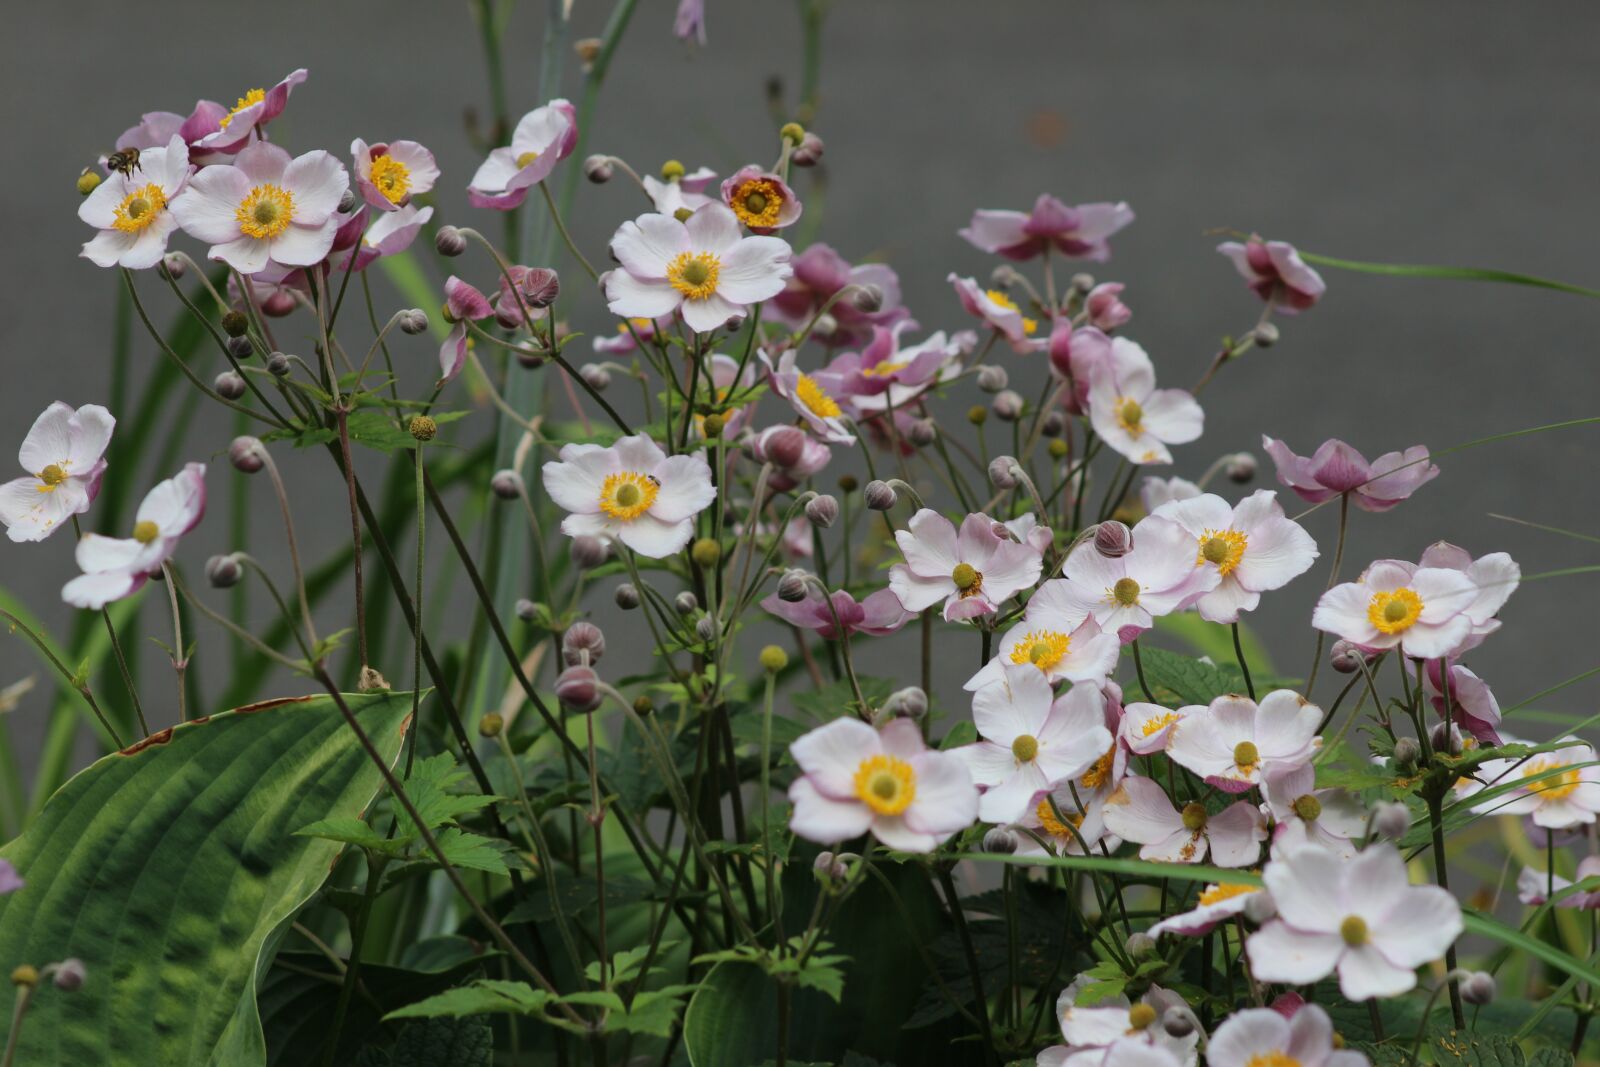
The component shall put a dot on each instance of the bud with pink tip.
(247, 454)
(578, 688)
(1105, 307)
(1112, 539)
(583, 643)
(822, 511)
(879, 496)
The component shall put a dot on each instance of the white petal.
(208, 208)
(823, 820)
(634, 298)
(686, 488)
(1279, 953)
(317, 181)
(713, 228)
(303, 246)
(646, 245)
(654, 539)
(1365, 973)
(754, 270)
(831, 754)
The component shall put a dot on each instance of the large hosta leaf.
(171, 868)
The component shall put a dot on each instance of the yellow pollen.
(757, 203)
(883, 370)
(1158, 723)
(392, 177)
(265, 212)
(1246, 756)
(1042, 648)
(1224, 891)
(886, 784)
(816, 398)
(1130, 416)
(1052, 825)
(626, 495)
(51, 476)
(254, 96)
(1125, 593)
(1396, 612)
(526, 158)
(1025, 747)
(1225, 548)
(139, 209)
(145, 532)
(1274, 1058)
(1555, 787)
(1354, 931)
(694, 274)
(1099, 774)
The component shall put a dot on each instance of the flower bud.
(228, 385)
(908, 703)
(236, 324)
(1000, 475)
(1054, 424)
(977, 414)
(1478, 988)
(174, 265)
(879, 496)
(491, 724)
(1177, 1022)
(70, 975)
(278, 365)
(706, 628)
(589, 552)
(792, 586)
(1266, 335)
(1345, 657)
(599, 169)
(1083, 282)
(1140, 946)
(1260, 908)
(1112, 539)
(1004, 277)
(1008, 405)
(597, 376)
(587, 50)
(822, 511)
(999, 841)
(847, 483)
(88, 182)
(809, 152)
(240, 347)
(773, 659)
(449, 241)
(626, 596)
(422, 428)
(784, 447)
(1446, 739)
(1406, 754)
(247, 454)
(829, 868)
(1057, 448)
(793, 133)
(672, 170)
(992, 378)
(578, 688)
(868, 298)
(713, 425)
(1391, 819)
(223, 571)
(643, 705)
(347, 202)
(825, 326)
(506, 484)
(582, 639)
(706, 552)
(526, 609)
(685, 603)
(922, 432)
(1241, 467)
(413, 321)
(25, 975)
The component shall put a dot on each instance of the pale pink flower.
(265, 208)
(1361, 917)
(131, 210)
(392, 234)
(1000, 312)
(1148, 728)
(253, 111)
(1495, 575)
(1077, 354)
(1104, 306)
(1091, 1030)
(1252, 545)
(972, 571)
(1235, 741)
(1556, 801)
(883, 375)
(855, 779)
(1055, 636)
(1154, 492)
(816, 398)
(543, 137)
(762, 200)
(668, 195)
(703, 268)
(690, 21)
(1276, 273)
(1131, 415)
(1140, 811)
(63, 454)
(389, 175)
(1336, 469)
(118, 567)
(1080, 232)
(1533, 887)
(819, 274)
(631, 492)
(1304, 814)
(879, 613)
(1083, 809)
(1126, 594)
(1217, 903)
(1031, 740)
(463, 303)
(1257, 1036)
(1471, 706)
(627, 340)
(1420, 610)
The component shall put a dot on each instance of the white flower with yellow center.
(117, 567)
(63, 457)
(1000, 312)
(265, 208)
(1156, 577)
(543, 137)
(1232, 743)
(1217, 903)
(1262, 1037)
(812, 396)
(389, 175)
(702, 267)
(253, 110)
(1149, 728)
(1421, 610)
(1558, 790)
(1361, 917)
(131, 211)
(1059, 639)
(855, 779)
(1253, 546)
(632, 492)
(1131, 415)
(1140, 811)
(971, 569)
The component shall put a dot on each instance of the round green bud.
(713, 425)
(88, 182)
(422, 428)
(793, 132)
(235, 324)
(1057, 448)
(773, 659)
(491, 725)
(847, 483)
(977, 414)
(25, 976)
(671, 170)
(643, 705)
(682, 215)
(706, 552)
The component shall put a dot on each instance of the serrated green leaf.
(962, 733)
(444, 1043)
(1457, 1049)
(487, 996)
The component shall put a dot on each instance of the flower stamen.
(139, 209)
(626, 495)
(392, 178)
(1394, 612)
(1225, 548)
(694, 274)
(265, 212)
(1042, 648)
(816, 398)
(886, 784)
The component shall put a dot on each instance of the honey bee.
(123, 161)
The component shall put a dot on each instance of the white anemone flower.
(1057, 637)
(117, 567)
(265, 207)
(1253, 546)
(1140, 811)
(1420, 610)
(64, 457)
(131, 211)
(1131, 415)
(1262, 1037)
(631, 492)
(1157, 577)
(1235, 740)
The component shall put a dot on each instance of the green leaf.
(444, 1043)
(1457, 1049)
(1177, 679)
(1477, 923)
(1550, 1056)
(1464, 274)
(962, 733)
(1215, 640)
(577, 895)
(171, 868)
(473, 851)
(352, 831)
(484, 997)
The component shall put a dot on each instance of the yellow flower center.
(1194, 816)
(694, 274)
(1025, 747)
(1158, 723)
(392, 177)
(626, 495)
(1354, 931)
(265, 212)
(526, 158)
(1130, 416)
(886, 784)
(1224, 891)
(1125, 593)
(1555, 787)
(757, 203)
(1245, 755)
(883, 370)
(1308, 807)
(1099, 774)
(968, 579)
(816, 398)
(254, 96)
(1028, 325)
(1052, 825)
(51, 476)
(1042, 648)
(1274, 1058)
(139, 209)
(1225, 548)
(1395, 612)
(146, 531)
(1140, 1016)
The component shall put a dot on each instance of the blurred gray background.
(1429, 132)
